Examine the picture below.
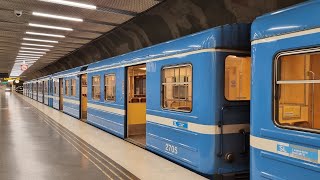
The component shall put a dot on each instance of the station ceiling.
(87, 31)
(39, 32)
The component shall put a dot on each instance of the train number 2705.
(171, 148)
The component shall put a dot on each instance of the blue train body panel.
(108, 116)
(277, 152)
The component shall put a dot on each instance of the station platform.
(38, 142)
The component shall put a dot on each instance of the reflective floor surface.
(38, 142)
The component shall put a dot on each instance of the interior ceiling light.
(32, 52)
(40, 40)
(70, 3)
(35, 55)
(38, 49)
(38, 45)
(45, 34)
(57, 17)
(50, 27)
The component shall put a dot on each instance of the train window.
(237, 78)
(40, 87)
(67, 87)
(34, 87)
(110, 87)
(45, 87)
(56, 87)
(96, 87)
(297, 91)
(73, 87)
(177, 88)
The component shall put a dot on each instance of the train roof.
(232, 36)
(296, 18)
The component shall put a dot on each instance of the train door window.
(237, 78)
(45, 87)
(56, 87)
(96, 87)
(67, 87)
(297, 91)
(110, 87)
(177, 88)
(73, 87)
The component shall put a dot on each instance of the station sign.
(24, 67)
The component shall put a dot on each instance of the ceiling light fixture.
(21, 56)
(35, 55)
(73, 4)
(50, 27)
(45, 34)
(38, 45)
(24, 58)
(35, 49)
(40, 40)
(32, 52)
(57, 17)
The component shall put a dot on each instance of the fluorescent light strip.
(57, 17)
(73, 4)
(50, 27)
(35, 49)
(22, 58)
(38, 45)
(26, 57)
(35, 55)
(45, 34)
(33, 52)
(40, 40)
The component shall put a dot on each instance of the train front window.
(73, 87)
(177, 88)
(110, 87)
(297, 91)
(237, 78)
(96, 87)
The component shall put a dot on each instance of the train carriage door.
(61, 94)
(83, 97)
(136, 104)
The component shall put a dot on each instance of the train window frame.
(73, 89)
(114, 89)
(275, 91)
(92, 94)
(162, 89)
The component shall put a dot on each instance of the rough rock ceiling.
(21, 38)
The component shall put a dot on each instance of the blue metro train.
(189, 99)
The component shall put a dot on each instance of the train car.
(50, 91)
(285, 104)
(155, 98)
(66, 95)
(44, 90)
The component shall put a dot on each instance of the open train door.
(61, 94)
(136, 104)
(83, 97)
